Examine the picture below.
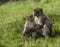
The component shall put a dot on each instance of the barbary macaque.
(43, 21)
(30, 28)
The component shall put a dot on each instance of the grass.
(12, 21)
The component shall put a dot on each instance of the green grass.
(12, 19)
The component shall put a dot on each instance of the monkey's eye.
(34, 10)
(37, 11)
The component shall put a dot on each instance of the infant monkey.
(30, 28)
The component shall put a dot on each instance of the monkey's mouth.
(36, 15)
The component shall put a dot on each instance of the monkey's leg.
(46, 31)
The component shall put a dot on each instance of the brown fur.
(30, 27)
(43, 21)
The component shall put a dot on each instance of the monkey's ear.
(30, 15)
(38, 9)
(41, 9)
(35, 8)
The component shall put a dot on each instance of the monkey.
(47, 32)
(43, 21)
(30, 28)
(37, 34)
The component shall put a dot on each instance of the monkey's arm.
(43, 21)
(48, 22)
(25, 28)
(41, 24)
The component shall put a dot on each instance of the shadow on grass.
(2, 45)
(56, 33)
(3, 1)
(56, 24)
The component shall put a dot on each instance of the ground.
(12, 19)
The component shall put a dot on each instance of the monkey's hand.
(36, 27)
(40, 26)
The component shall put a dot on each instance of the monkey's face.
(38, 11)
(30, 17)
